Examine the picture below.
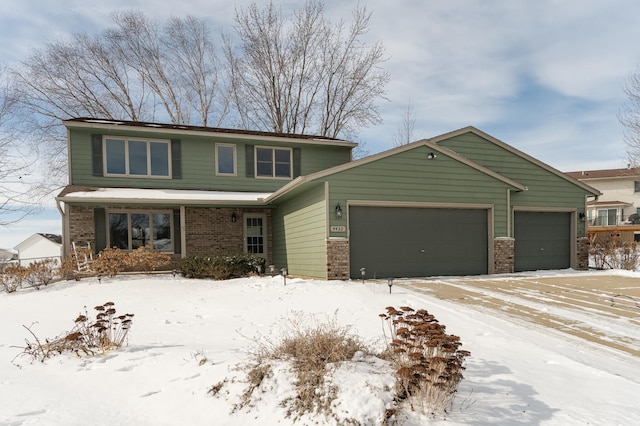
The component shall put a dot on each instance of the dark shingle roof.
(151, 125)
(53, 237)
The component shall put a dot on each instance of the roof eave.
(212, 132)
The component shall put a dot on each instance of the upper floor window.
(136, 157)
(274, 162)
(225, 159)
(636, 186)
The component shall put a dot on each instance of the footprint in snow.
(150, 393)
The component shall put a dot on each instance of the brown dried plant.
(311, 348)
(107, 332)
(12, 276)
(429, 361)
(147, 260)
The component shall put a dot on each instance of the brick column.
(504, 255)
(583, 244)
(338, 259)
(81, 226)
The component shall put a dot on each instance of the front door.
(255, 234)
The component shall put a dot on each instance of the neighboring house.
(39, 247)
(460, 203)
(619, 204)
(8, 255)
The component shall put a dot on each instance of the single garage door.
(542, 241)
(417, 242)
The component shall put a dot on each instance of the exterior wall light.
(234, 217)
(431, 156)
(582, 217)
(338, 211)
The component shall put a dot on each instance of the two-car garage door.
(417, 242)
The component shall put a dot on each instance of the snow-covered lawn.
(515, 374)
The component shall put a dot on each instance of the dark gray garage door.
(542, 241)
(415, 242)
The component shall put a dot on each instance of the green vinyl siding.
(299, 234)
(544, 188)
(198, 162)
(409, 176)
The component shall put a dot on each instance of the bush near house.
(614, 253)
(37, 274)
(222, 267)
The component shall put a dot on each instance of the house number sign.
(340, 228)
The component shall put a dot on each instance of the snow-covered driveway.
(600, 310)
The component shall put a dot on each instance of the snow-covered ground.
(515, 375)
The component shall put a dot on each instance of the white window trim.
(130, 234)
(273, 162)
(235, 160)
(126, 157)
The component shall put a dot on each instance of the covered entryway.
(542, 240)
(417, 242)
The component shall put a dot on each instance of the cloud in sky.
(545, 76)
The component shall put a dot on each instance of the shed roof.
(84, 194)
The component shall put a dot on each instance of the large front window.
(131, 230)
(273, 162)
(136, 157)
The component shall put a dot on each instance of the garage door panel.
(542, 240)
(411, 242)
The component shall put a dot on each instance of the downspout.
(65, 229)
(509, 213)
(183, 232)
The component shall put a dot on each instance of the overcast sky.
(544, 76)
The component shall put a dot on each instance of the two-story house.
(619, 205)
(460, 203)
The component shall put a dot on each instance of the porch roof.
(74, 194)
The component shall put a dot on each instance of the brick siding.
(504, 255)
(212, 231)
(337, 259)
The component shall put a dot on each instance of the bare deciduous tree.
(404, 134)
(305, 74)
(298, 74)
(137, 70)
(630, 118)
(14, 203)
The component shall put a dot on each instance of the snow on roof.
(163, 195)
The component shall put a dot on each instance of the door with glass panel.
(255, 234)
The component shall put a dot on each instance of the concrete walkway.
(598, 309)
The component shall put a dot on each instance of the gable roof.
(429, 143)
(433, 143)
(39, 237)
(183, 129)
(507, 147)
